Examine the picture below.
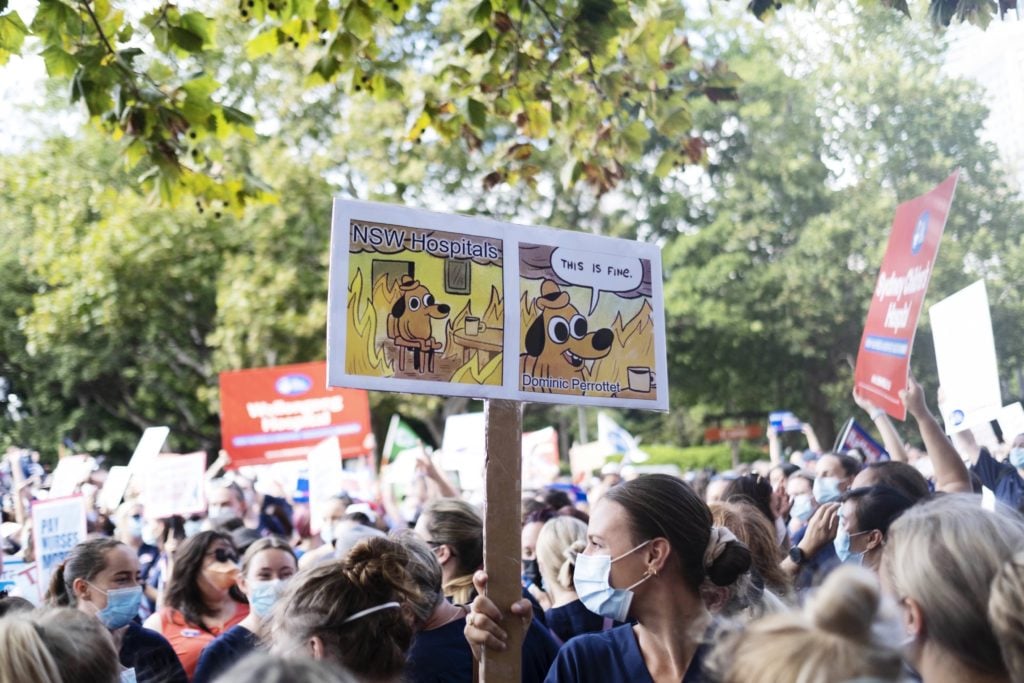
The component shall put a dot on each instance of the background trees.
(116, 312)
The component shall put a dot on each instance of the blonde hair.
(946, 555)
(560, 540)
(845, 631)
(1006, 612)
(26, 658)
(57, 645)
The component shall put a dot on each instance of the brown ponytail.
(85, 561)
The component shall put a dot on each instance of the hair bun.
(846, 604)
(732, 561)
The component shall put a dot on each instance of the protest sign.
(20, 579)
(400, 438)
(114, 487)
(785, 421)
(618, 439)
(1011, 421)
(965, 355)
(149, 446)
(71, 471)
(328, 478)
(58, 525)
(853, 435)
(280, 413)
(175, 485)
(540, 458)
(467, 306)
(587, 458)
(884, 355)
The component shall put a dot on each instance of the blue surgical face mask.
(591, 580)
(803, 507)
(122, 606)
(1017, 457)
(842, 546)
(193, 527)
(135, 526)
(263, 595)
(826, 490)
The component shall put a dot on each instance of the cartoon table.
(485, 343)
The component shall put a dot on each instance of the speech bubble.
(596, 271)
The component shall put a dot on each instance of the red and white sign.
(274, 414)
(884, 355)
(733, 433)
(175, 485)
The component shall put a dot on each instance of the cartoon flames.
(363, 356)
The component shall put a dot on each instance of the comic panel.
(424, 305)
(588, 323)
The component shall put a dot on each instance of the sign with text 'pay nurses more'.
(884, 356)
(58, 525)
(275, 414)
(455, 305)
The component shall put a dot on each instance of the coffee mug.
(641, 378)
(474, 326)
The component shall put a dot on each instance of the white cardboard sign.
(965, 354)
(455, 305)
(175, 485)
(58, 525)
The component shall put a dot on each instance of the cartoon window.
(456, 276)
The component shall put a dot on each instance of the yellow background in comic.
(630, 320)
(369, 351)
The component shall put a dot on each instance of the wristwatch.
(797, 555)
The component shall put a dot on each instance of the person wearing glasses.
(100, 577)
(202, 599)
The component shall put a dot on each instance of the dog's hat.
(408, 283)
(552, 296)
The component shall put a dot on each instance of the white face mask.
(591, 580)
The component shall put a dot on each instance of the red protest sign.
(884, 356)
(275, 414)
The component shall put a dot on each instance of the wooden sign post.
(450, 305)
(502, 514)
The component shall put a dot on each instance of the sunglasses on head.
(224, 555)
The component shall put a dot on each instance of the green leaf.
(635, 135)
(477, 113)
(54, 20)
(201, 86)
(186, 40)
(480, 44)
(263, 44)
(200, 25)
(359, 20)
(677, 123)
(482, 13)
(12, 35)
(539, 120)
(59, 64)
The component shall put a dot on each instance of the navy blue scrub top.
(612, 655)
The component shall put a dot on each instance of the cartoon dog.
(409, 322)
(558, 343)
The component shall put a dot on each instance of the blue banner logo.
(920, 230)
(293, 385)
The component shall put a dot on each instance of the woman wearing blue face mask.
(101, 578)
(650, 547)
(266, 567)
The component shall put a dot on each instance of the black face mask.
(531, 574)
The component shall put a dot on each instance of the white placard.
(1011, 421)
(20, 579)
(175, 485)
(114, 487)
(71, 471)
(149, 446)
(965, 354)
(58, 525)
(456, 305)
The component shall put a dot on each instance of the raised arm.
(890, 437)
(812, 438)
(774, 446)
(951, 475)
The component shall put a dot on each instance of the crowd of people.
(818, 567)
